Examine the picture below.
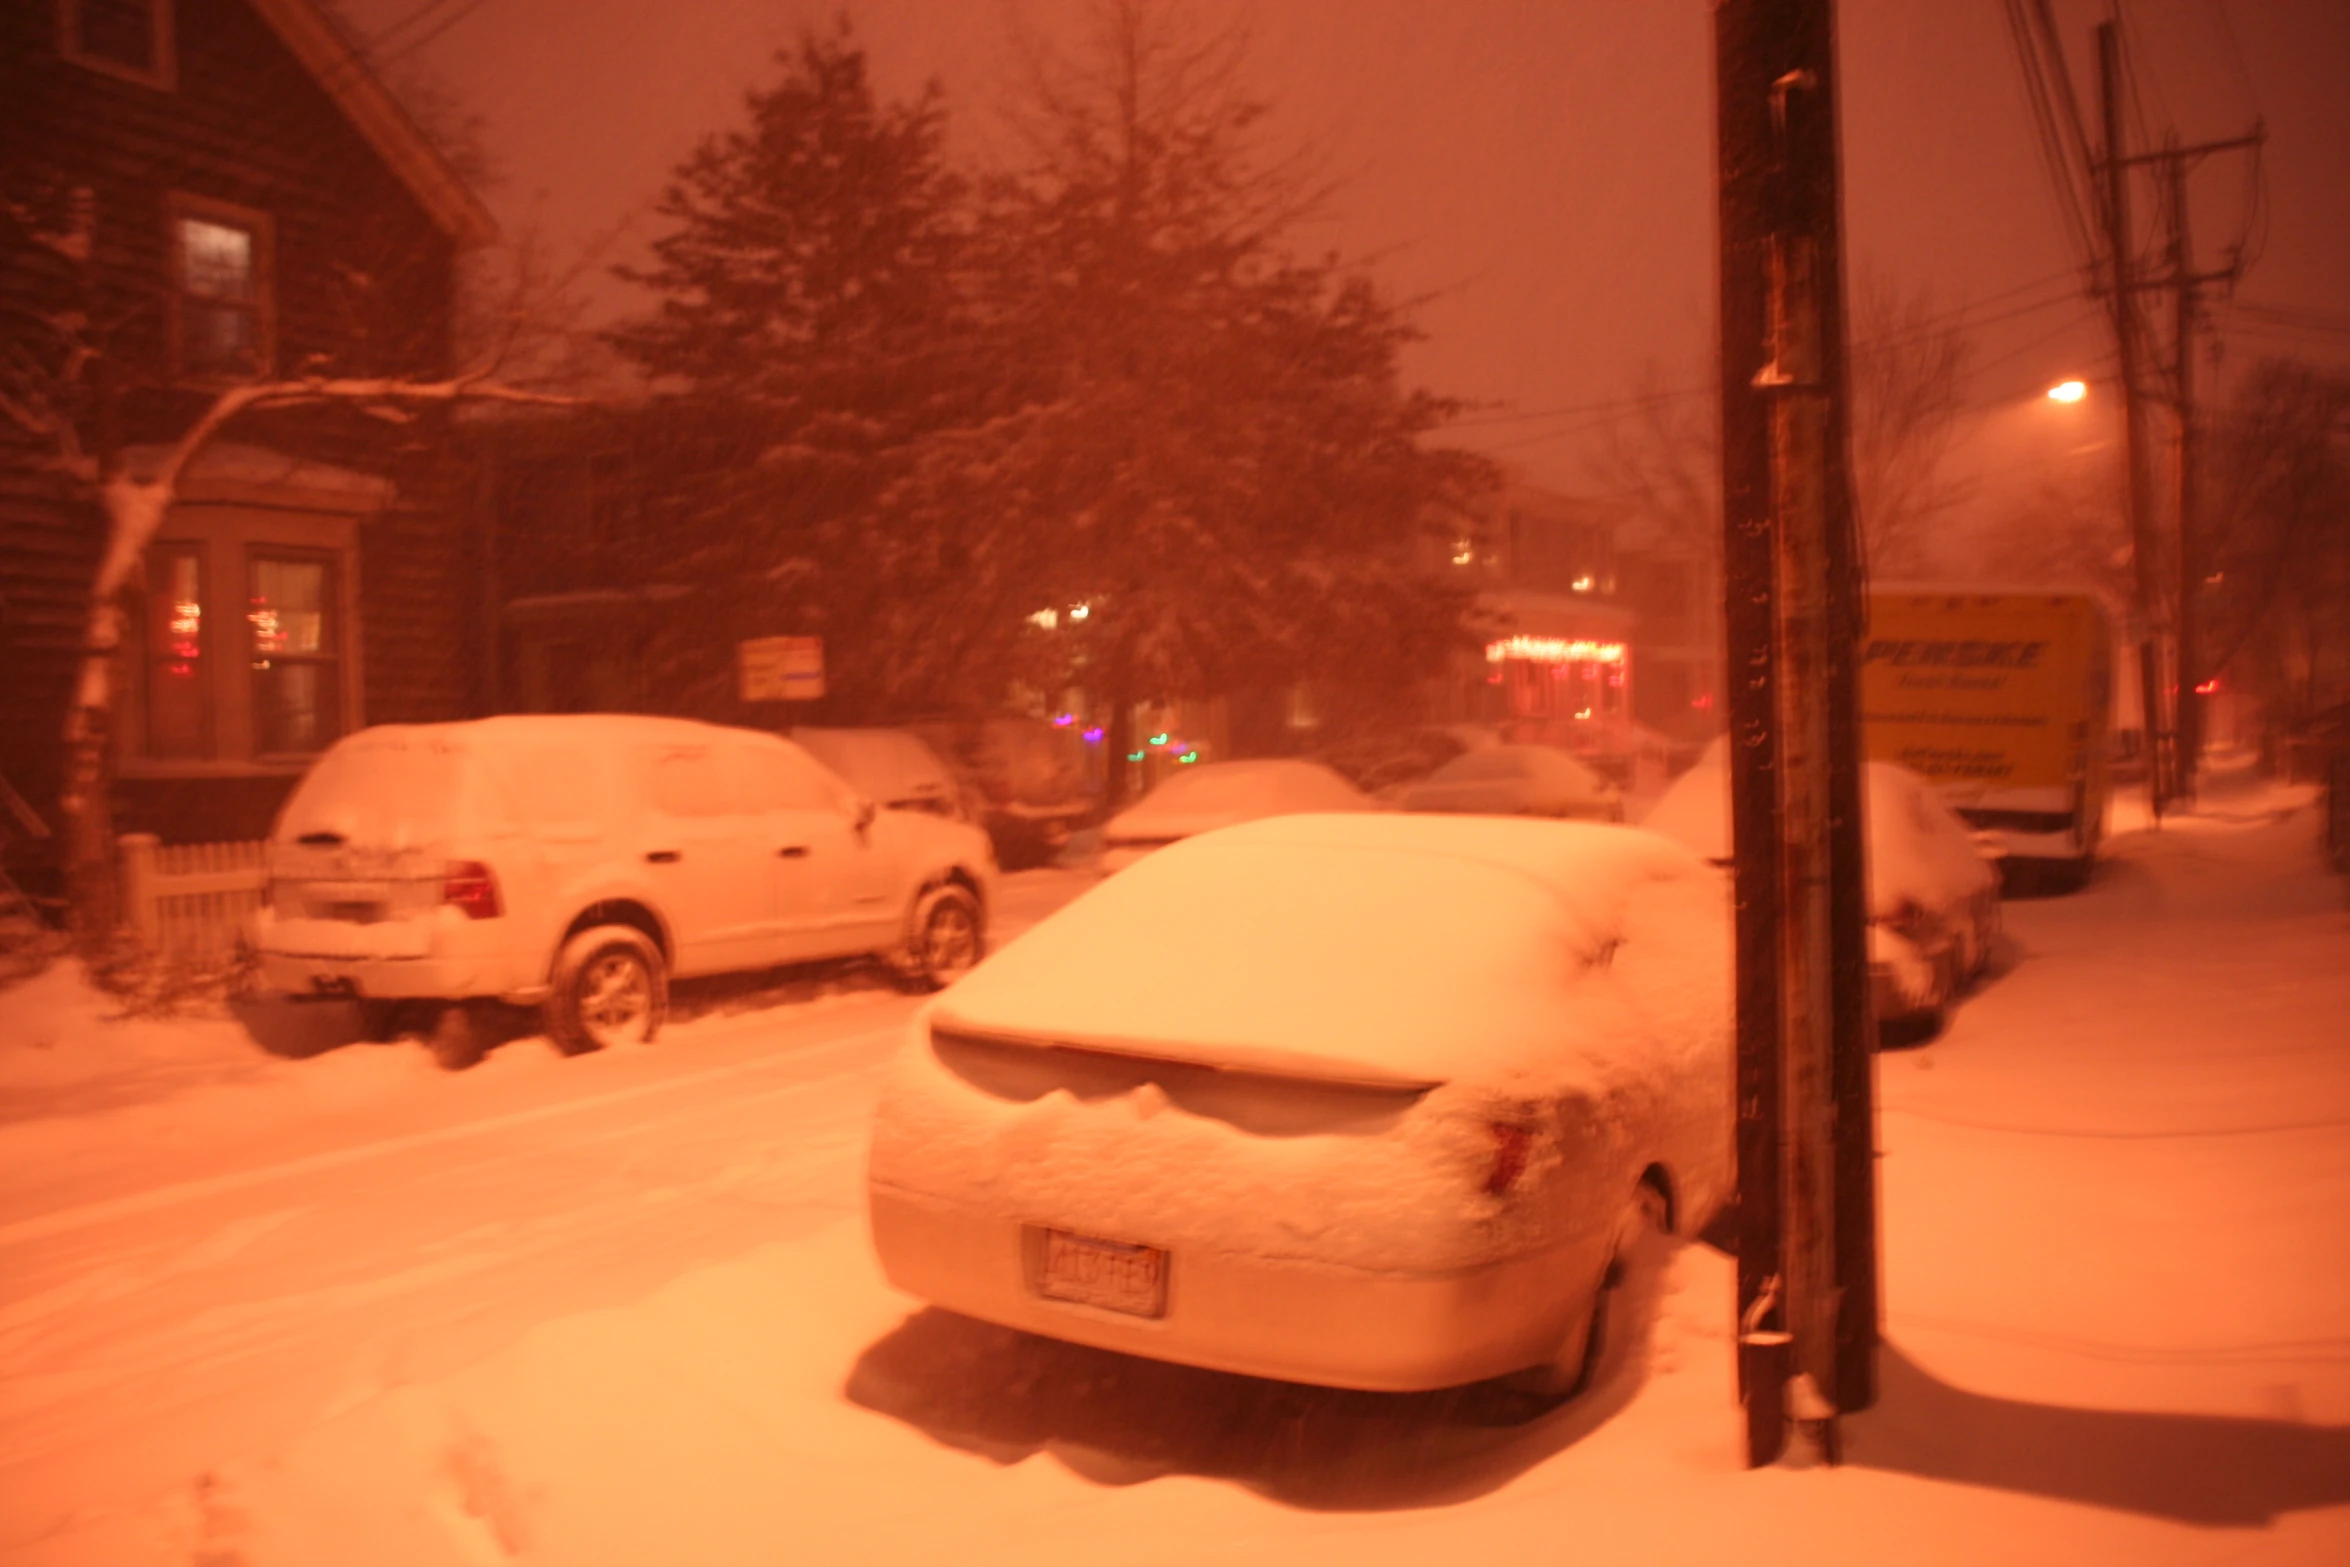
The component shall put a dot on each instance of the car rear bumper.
(1294, 1320)
(443, 957)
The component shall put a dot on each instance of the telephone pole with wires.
(2154, 690)
(2186, 285)
(2169, 647)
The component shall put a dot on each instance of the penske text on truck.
(2004, 700)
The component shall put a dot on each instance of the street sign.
(781, 669)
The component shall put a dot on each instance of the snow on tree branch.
(135, 506)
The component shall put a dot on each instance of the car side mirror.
(863, 813)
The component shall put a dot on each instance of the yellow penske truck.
(2003, 698)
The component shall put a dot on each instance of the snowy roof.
(224, 466)
(327, 52)
(1371, 947)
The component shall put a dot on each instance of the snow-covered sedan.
(1933, 893)
(1370, 1100)
(1210, 795)
(1518, 780)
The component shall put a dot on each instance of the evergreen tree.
(1207, 442)
(810, 322)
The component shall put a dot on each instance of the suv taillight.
(1511, 1147)
(470, 886)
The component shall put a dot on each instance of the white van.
(578, 861)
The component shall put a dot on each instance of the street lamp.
(2068, 391)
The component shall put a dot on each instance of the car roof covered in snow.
(1370, 947)
(1216, 794)
(405, 785)
(1918, 850)
(892, 765)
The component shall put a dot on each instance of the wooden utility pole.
(1807, 1273)
(2186, 284)
(2190, 723)
(2152, 687)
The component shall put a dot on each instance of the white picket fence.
(190, 901)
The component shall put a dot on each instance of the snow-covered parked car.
(579, 861)
(1209, 795)
(1370, 1100)
(894, 766)
(1023, 779)
(1933, 892)
(1518, 780)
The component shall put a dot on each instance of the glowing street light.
(2068, 391)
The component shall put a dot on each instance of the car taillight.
(1510, 1147)
(470, 886)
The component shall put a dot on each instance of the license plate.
(1113, 1275)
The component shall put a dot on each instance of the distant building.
(1672, 584)
(1558, 662)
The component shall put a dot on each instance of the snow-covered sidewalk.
(2117, 1279)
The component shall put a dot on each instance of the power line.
(1926, 327)
(2056, 113)
(2296, 315)
(383, 36)
(2218, 12)
(465, 9)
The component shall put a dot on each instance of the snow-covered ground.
(621, 1309)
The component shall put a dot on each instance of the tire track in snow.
(64, 1219)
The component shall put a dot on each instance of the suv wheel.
(945, 939)
(611, 988)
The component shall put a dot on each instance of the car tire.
(1571, 1367)
(460, 1035)
(945, 936)
(610, 988)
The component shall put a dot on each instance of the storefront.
(1558, 673)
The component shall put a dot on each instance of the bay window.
(297, 703)
(179, 716)
(245, 652)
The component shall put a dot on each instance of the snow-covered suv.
(578, 861)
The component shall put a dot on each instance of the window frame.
(143, 684)
(335, 639)
(163, 76)
(226, 536)
(180, 207)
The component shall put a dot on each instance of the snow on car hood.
(1375, 948)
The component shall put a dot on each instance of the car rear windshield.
(382, 791)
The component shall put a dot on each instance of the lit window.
(243, 653)
(220, 272)
(297, 676)
(130, 38)
(179, 711)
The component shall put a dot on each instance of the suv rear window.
(381, 790)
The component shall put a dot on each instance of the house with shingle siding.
(256, 206)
